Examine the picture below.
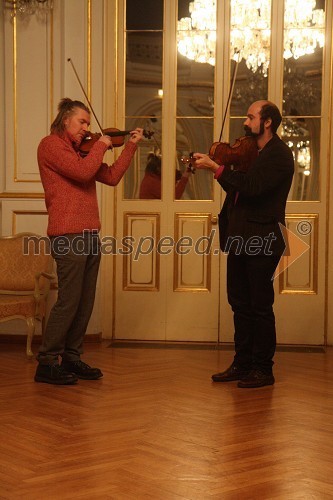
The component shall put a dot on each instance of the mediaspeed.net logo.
(295, 245)
(145, 245)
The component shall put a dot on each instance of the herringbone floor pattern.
(156, 427)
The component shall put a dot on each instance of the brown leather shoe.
(232, 373)
(256, 378)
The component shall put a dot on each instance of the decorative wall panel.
(192, 257)
(27, 93)
(141, 260)
(300, 275)
(20, 216)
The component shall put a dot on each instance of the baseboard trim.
(6, 338)
(144, 344)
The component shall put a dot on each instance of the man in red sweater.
(69, 182)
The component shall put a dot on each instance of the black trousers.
(77, 257)
(251, 297)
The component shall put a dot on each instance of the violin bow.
(85, 95)
(231, 90)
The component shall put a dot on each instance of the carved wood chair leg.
(31, 331)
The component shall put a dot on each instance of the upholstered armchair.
(25, 274)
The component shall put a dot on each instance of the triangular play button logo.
(295, 248)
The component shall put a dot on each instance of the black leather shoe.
(256, 378)
(234, 372)
(82, 370)
(54, 374)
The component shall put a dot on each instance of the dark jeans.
(251, 296)
(77, 271)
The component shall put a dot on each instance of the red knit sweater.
(69, 182)
(150, 188)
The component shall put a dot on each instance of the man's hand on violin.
(203, 161)
(107, 140)
(136, 135)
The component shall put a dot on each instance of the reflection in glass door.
(144, 95)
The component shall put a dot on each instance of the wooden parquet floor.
(156, 427)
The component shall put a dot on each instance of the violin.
(118, 138)
(240, 155)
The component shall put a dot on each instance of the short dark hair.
(271, 111)
(153, 164)
(66, 108)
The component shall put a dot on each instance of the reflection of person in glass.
(250, 232)
(150, 188)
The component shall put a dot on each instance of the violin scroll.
(189, 161)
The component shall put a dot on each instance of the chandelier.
(26, 8)
(296, 136)
(250, 31)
